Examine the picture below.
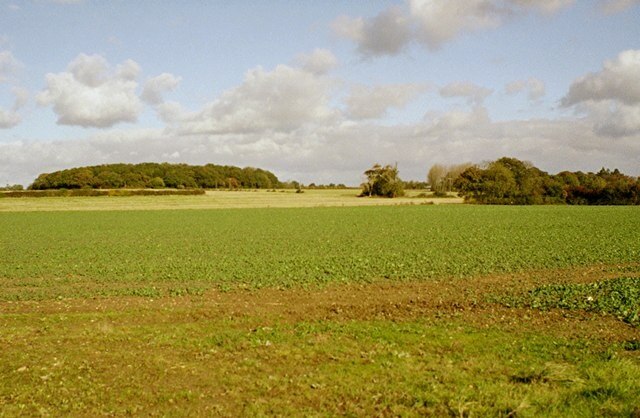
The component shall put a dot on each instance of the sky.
(319, 91)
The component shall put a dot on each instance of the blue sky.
(319, 91)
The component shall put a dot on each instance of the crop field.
(413, 310)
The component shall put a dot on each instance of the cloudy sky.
(318, 91)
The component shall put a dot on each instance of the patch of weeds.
(631, 345)
(550, 373)
(148, 292)
(600, 393)
(619, 297)
(186, 291)
(226, 287)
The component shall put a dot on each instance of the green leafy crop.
(619, 297)
(53, 254)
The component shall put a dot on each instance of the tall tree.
(382, 181)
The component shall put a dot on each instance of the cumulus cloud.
(320, 61)
(439, 22)
(620, 121)
(284, 99)
(366, 102)
(155, 87)
(612, 119)
(611, 96)
(474, 94)
(92, 94)
(617, 6)
(534, 87)
(171, 112)
(618, 80)
(11, 117)
(432, 23)
(387, 33)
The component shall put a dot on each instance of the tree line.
(515, 182)
(509, 181)
(157, 176)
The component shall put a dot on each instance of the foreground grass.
(375, 350)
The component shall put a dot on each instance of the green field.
(390, 310)
(67, 254)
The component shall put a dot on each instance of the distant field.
(216, 200)
(412, 310)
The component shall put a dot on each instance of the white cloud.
(617, 6)
(434, 22)
(156, 86)
(613, 119)
(474, 94)
(618, 80)
(534, 87)
(11, 117)
(441, 21)
(373, 102)
(320, 61)
(91, 94)
(610, 97)
(284, 99)
(171, 112)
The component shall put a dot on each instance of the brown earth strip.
(466, 299)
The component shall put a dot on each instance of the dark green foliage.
(382, 181)
(619, 297)
(157, 176)
(603, 188)
(514, 182)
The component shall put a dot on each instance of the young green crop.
(53, 254)
(619, 297)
